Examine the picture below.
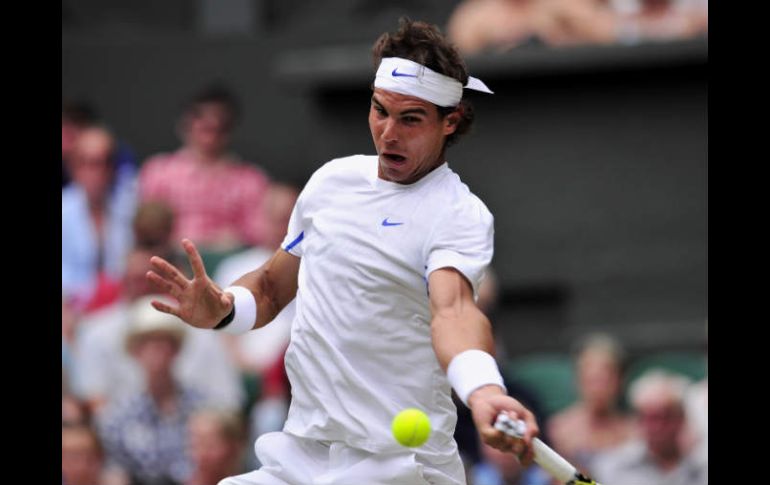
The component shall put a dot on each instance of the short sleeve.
(464, 240)
(298, 223)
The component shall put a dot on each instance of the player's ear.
(451, 121)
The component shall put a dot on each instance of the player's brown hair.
(425, 44)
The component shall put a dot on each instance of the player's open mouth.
(394, 157)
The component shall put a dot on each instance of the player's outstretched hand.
(201, 303)
(486, 403)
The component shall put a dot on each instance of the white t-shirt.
(360, 347)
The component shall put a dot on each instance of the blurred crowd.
(148, 400)
(630, 421)
(495, 25)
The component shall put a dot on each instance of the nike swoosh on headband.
(397, 74)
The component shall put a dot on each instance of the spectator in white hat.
(146, 433)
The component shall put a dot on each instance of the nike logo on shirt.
(386, 223)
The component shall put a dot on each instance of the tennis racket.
(552, 462)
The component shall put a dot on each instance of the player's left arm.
(458, 326)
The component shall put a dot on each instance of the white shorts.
(291, 460)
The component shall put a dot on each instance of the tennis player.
(384, 255)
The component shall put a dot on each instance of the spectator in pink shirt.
(216, 198)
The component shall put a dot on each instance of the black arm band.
(226, 321)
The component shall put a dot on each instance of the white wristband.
(245, 307)
(472, 369)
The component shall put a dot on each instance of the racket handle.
(552, 462)
(545, 456)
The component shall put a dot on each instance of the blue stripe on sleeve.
(295, 242)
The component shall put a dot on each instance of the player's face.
(409, 135)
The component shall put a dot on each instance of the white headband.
(408, 77)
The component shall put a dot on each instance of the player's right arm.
(459, 329)
(202, 304)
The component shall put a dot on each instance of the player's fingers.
(169, 270)
(159, 282)
(493, 437)
(532, 430)
(517, 447)
(506, 446)
(527, 457)
(165, 308)
(196, 262)
(163, 284)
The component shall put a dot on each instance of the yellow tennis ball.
(411, 427)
